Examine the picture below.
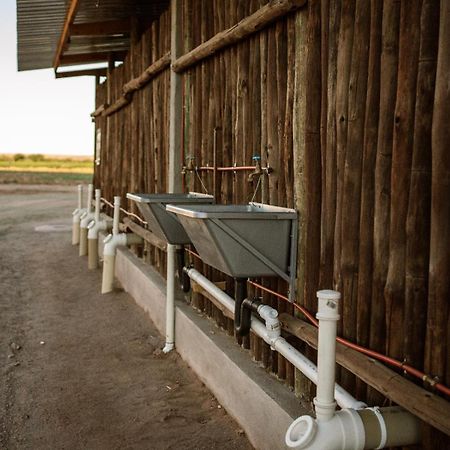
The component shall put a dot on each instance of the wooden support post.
(176, 105)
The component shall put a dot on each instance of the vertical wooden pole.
(176, 107)
(437, 339)
(351, 187)
(401, 172)
(345, 45)
(438, 306)
(388, 87)
(368, 182)
(418, 216)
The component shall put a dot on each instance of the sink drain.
(52, 228)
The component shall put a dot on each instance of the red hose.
(379, 356)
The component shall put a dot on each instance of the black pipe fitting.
(183, 277)
(243, 307)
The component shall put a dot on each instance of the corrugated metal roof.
(40, 24)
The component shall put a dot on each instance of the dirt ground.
(80, 370)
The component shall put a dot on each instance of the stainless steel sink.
(162, 223)
(243, 240)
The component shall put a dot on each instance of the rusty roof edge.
(70, 17)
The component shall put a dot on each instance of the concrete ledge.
(262, 406)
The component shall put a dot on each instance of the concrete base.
(262, 406)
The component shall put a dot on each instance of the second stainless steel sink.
(162, 223)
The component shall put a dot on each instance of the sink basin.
(164, 224)
(243, 241)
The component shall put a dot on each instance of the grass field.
(44, 169)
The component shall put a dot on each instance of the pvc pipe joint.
(344, 431)
(349, 429)
(95, 227)
(273, 327)
(112, 241)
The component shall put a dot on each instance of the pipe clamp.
(383, 429)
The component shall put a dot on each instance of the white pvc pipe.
(350, 428)
(80, 196)
(94, 228)
(355, 427)
(87, 216)
(98, 196)
(170, 299)
(116, 215)
(307, 367)
(76, 215)
(328, 316)
(111, 242)
(90, 197)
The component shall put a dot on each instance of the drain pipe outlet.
(111, 242)
(87, 216)
(352, 428)
(76, 215)
(94, 227)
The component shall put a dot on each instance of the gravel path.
(80, 370)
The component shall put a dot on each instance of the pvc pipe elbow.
(85, 219)
(112, 241)
(95, 227)
(345, 430)
(77, 214)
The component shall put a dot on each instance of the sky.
(38, 113)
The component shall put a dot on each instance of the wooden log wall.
(344, 101)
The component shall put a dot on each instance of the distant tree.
(19, 157)
(37, 157)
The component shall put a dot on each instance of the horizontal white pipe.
(349, 429)
(307, 367)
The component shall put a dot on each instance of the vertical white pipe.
(89, 198)
(80, 196)
(116, 215)
(97, 205)
(170, 299)
(328, 315)
(175, 101)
